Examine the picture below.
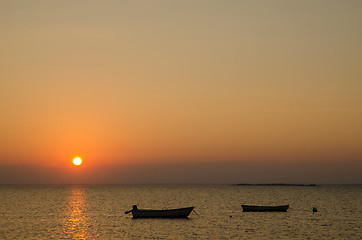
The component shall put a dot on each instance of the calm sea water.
(97, 212)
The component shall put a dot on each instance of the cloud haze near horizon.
(189, 173)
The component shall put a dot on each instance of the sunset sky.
(197, 91)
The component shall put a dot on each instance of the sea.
(98, 212)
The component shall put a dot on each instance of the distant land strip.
(274, 184)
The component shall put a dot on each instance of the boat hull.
(170, 213)
(251, 208)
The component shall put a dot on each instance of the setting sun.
(77, 161)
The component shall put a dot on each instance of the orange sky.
(145, 82)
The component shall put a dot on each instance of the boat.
(253, 208)
(168, 213)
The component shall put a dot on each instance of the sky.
(197, 91)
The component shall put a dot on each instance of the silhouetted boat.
(251, 208)
(168, 213)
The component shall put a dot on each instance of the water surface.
(91, 212)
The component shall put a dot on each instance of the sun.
(77, 161)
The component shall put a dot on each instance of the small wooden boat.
(168, 213)
(251, 208)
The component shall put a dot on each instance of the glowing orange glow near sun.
(77, 161)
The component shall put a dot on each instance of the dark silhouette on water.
(275, 184)
(253, 208)
(134, 208)
(169, 213)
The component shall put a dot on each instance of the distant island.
(274, 184)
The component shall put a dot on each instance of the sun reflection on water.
(76, 220)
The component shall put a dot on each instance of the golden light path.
(75, 225)
(77, 161)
